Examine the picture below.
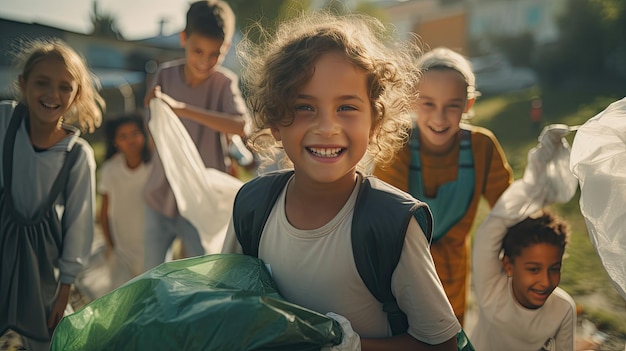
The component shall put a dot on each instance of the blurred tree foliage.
(104, 24)
(592, 42)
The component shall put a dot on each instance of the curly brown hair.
(277, 68)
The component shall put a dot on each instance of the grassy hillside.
(508, 117)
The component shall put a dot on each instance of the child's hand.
(174, 104)
(154, 93)
(58, 308)
(351, 341)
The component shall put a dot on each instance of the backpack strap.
(252, 207)
(381, 217)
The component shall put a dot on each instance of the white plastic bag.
(350, 341)
(204, 196)
(546, 179)
(598, 160)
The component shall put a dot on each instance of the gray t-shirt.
(33, 175)
(219, 92)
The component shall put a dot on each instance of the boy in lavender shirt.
(206, 94)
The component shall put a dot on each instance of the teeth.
(331, 152)
(50, 106)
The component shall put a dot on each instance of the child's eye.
(347, 108)
(555, 269)
(533, 270)
(304, 108)
(41, 83)
(66, 88)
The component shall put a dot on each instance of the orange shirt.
(492, 176)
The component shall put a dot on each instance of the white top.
(316, 269)
(124, 188)
(504, 324)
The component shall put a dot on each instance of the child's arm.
(222, 122)
(499, 173)
(487, 271)
(58, 308)
(565, 337)
(420, 295)
(104, 223)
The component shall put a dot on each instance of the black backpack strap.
(19, 112)
(381, 217)
(252, 206)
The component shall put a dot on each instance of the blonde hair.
(444, 58)
(277, 68)
(88, 106)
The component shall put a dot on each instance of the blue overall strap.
(453, 198)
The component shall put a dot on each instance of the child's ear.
(182, 38)
(469, 104)
(507, 264)
(22, 83)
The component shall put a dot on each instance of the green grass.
(507, 116)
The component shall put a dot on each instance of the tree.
(104, 24)
(592, 41)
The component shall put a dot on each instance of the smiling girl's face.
(441, 103)
(332, 122)
(49, 90)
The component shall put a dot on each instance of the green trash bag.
(214, 302)
(463, 343)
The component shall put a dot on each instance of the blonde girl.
(48, 198)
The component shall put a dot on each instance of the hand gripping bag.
(204, 196)
(214, 302)
(598, 160)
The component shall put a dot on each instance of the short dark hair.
(211, 18)
(545, 228)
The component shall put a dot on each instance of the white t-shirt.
(504, 324)
(316, 269)
(124, 187)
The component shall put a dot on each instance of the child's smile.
(332, 122)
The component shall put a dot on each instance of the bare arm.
(58, 308)
(405, 342)
(104, 223)
(222, 122)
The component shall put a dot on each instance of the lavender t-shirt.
(219, 92)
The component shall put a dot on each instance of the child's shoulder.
(171, 64)
(6, 110)
(480, 135)
(563, 301)
(86, 152)
(225, 72)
